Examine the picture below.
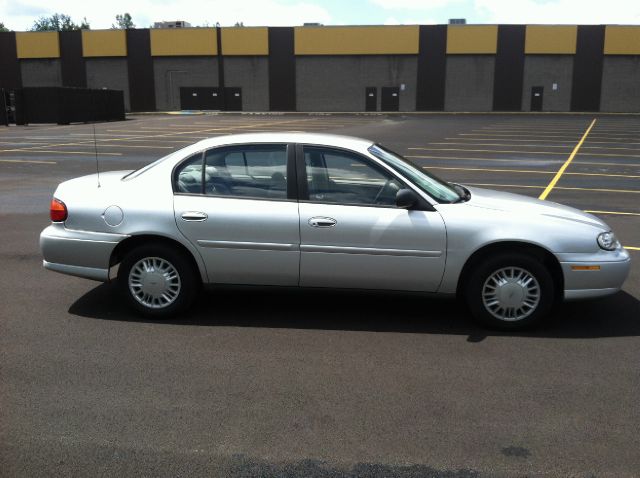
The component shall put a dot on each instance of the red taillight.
(58, 210)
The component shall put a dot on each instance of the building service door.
(536, 98)
(371, 98)
(390, 99)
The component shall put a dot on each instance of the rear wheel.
(157, 281)
(510, 291)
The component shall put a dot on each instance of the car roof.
(349, 142)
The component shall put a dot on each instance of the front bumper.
(78, 253)
(610, 270)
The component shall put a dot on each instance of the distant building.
(457, 21)
(341, 68)
(175, 24)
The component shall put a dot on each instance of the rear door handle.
(322, 222)
(194, 216)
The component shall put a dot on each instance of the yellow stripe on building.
(245, 41)
(472, 39)
(37, 45)
(183, 41)
(97, 43)
(362, 40)
(622, 40)
(551, 39)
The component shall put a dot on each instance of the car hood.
(524, 205)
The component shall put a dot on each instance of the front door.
(536, 98)
(240, 213)
(390, 99)
(352, 234)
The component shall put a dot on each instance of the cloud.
(18, 9)
(414, 4)
(558, 11)
(196, 12)
(395, 21)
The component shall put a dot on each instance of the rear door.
(352, 234)
(237, 205)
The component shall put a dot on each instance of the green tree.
(3, 28)
(123, 22)
(58, 22)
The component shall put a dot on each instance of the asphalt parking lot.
(266, 382)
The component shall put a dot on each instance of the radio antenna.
(95, 146)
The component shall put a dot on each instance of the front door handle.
(322, 222)
(194, 216)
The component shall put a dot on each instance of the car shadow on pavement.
(328, 309)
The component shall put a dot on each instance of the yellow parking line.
(555, 179)
(26, 161)
(529, 171)
(632, 248)
(617, 213)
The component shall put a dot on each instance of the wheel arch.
(130, 243)
(533, 250)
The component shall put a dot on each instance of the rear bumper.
(78, 253)
(608, 273)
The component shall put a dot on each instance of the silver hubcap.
(511, 294)
(154, 282)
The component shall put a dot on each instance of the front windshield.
(441, 190)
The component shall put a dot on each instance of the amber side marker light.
(585, 268)
(57, 210)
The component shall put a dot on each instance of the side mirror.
(406, 199)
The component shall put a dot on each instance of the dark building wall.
(10, 71)
(111, 73)
(621, 84)
(338, 83)
(282, 69)
(71, 60)
(140, 68)
(41, 72)
(432, 68)
(251, 73)
(171, 73)
(509, 68)
(545, 70)
(469, 84)
(587, 68)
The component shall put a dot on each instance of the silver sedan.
(311, 210)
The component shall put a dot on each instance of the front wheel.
(157, 281)
(510, 291)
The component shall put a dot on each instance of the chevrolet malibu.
(294, 209)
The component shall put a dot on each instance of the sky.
(20, 14)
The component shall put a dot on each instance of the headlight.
(608, 241)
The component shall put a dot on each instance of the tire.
(509, 291)
(158, 281)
